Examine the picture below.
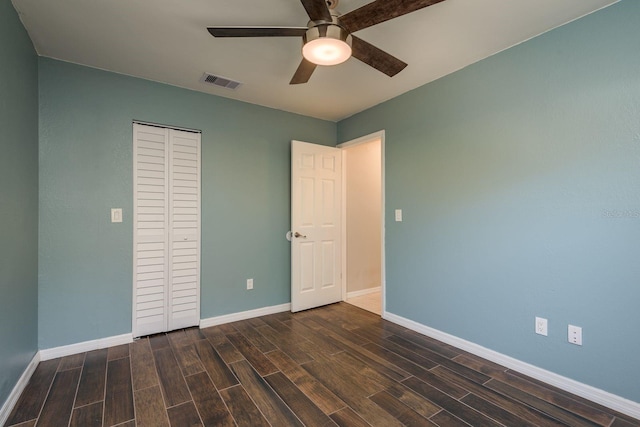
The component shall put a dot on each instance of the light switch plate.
(398, 215)
(116, 214)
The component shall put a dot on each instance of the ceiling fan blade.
(257, 31)
(303, 73)
(317, 10)
(377, 58)
(380, 11)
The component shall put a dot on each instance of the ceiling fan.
(328, 39)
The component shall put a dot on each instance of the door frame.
(362, 140)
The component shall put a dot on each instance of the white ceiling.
(167, 41)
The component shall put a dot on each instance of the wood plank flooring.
(332, 366)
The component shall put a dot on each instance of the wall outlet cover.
(575, 335)
(541, 326)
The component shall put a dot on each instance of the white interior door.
(316, 186)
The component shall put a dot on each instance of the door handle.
(298, 235)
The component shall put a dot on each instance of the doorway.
(337, 224)
(363, 219)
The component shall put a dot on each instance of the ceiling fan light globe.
(326, 44)
(326, 51)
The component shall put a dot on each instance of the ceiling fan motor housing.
(328, 30)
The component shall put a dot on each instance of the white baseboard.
(362, 292)
(81, 347)
(596, 395)
(243, 315)
(11, 401)
(67, 350)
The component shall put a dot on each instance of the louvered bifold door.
(150, 229)
(184, 229)
(166, 224)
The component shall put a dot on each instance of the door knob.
(298, 235)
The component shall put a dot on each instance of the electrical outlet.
(541, 326)
(249, 283)
(575, 335)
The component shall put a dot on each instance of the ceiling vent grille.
(212, 79)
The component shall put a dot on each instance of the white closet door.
(151, 222)
(184, 231)
(166, 217)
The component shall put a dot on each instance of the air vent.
(212, 79)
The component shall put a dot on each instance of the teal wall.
(85, 287)
(519, 178)
(18, 200)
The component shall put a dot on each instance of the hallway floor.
(371, 302)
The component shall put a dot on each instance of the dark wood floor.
(336, 365)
